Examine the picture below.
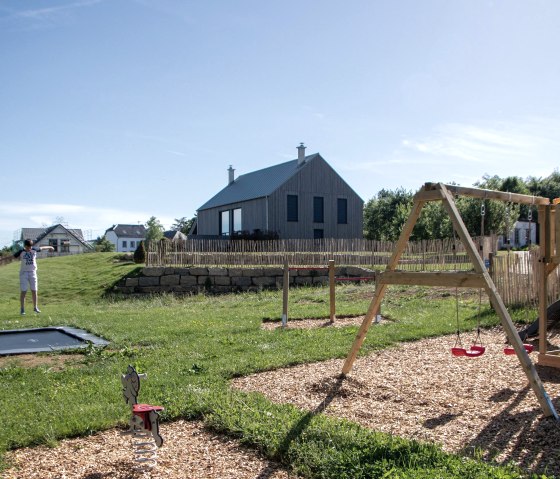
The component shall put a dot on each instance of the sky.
(113, 111)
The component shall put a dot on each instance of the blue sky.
(112, 111)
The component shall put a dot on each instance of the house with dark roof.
(301, 198)
(173, 235)
(126, 238)
(64, 240)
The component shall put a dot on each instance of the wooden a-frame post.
(480, 278)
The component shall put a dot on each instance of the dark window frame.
(292, 208)
(342, 211)
(318, 209)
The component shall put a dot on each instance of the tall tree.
(154, 229)
(183, 224)
(103, 244)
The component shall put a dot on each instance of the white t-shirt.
(28, 260)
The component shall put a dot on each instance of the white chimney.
(301, 154)
(231, 178)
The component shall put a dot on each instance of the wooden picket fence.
(419, 256)
(515, 274)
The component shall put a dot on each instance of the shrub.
(140, 253)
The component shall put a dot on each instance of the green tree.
(102, 244)
(183, 224)
(385, 215)
(154, 229)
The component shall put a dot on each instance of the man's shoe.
(22, 312)
(37, 310)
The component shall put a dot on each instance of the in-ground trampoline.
(55, 338)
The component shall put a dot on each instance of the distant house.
(302, 198)
(173, 235)
(64, 240)
(520, 235)
(126, 237)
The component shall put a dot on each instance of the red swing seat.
(473, 352)
(509, 349)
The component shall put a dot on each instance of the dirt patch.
(419, 391)
(311, 323)
(56, 362)
(189, 451)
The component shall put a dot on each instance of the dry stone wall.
(226, 280)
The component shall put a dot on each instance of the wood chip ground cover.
(189, 451)
(419, 391)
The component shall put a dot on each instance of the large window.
(230, 222)
(318, 209)
(237, 224)
(292, 206)
(224, 223)
(342, 211)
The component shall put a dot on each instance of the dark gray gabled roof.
(256, 184)
(128, 231)
(37, 234)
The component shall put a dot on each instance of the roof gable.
(37, 234)
(128, 231)
(256, 184)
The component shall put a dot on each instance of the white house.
(126, 237)
(520, 235)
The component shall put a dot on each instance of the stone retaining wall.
(226, 280)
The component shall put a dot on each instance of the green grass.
(192, 346)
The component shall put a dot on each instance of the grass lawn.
(192, 346)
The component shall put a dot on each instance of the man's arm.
(17, 254)
(50, 248)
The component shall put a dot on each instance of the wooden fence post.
(286, 287)
(332, 290)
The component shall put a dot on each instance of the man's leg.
(22, 301)
(34, 290)
(23, 283)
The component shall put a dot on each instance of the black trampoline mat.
(21, 341)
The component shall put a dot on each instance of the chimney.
(231, 178)
(301, 154)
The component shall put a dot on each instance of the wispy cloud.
(524, 141)
(46, 17)
(50, 12)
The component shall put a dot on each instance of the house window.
(292, 206)
(237, 220)
(516, 237)
(65, 246)
(124, 244)
(318, 209)
(342, 211)
(133, 244)
(54, 244)
(318, 234)
(224, 223)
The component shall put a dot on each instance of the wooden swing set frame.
(549, 258)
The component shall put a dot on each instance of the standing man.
(28, 272)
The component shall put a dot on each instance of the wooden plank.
(381, 289)
(547, 238)
(460, 280)
(549, 359)
(543, 282)
(556, 232)
(491, 194)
